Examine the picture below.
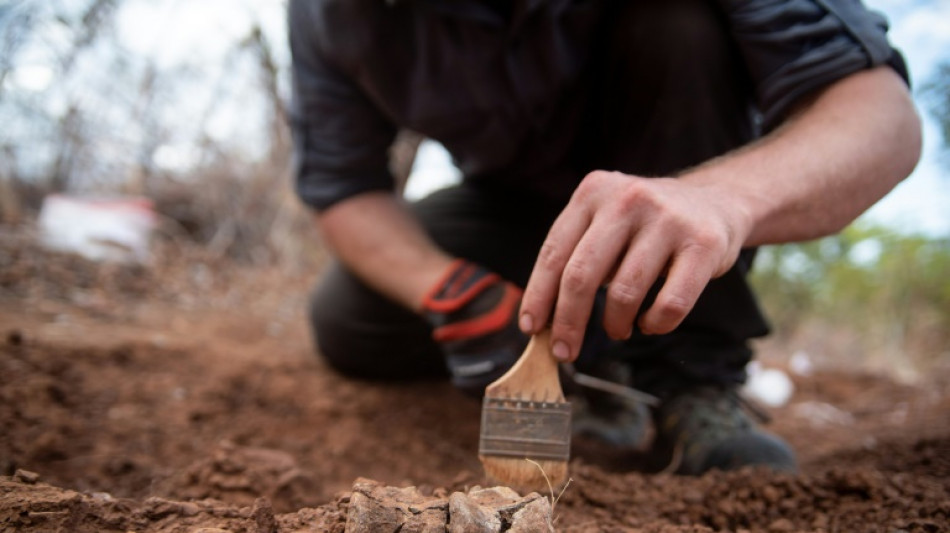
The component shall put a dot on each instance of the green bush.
(890, 290)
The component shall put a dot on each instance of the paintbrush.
(526, 423)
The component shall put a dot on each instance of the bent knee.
(362, 334)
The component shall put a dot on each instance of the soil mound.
(122, 412)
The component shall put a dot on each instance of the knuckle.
(592, 183)
(577, 278)
(550, 255)
(672, 307)
(587, 186)
(623, 294)
(679, 224)
(595, 176)
(635, 197)
(707, 239)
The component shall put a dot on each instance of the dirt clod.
(26, 476)
(263, 515)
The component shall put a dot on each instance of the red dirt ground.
(187, 398)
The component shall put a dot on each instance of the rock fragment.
(467, 516)
(263, 516)
(25, 476)
(534, 517)
(367, 514)
(375, 508)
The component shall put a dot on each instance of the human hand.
(628, 232)
(474, 315)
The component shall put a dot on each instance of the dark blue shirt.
(493, 87)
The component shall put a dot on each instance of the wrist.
(469, 301)
(738, 206)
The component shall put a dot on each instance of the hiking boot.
(709, 428)
(608, 418)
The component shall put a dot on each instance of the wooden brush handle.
(534, 377)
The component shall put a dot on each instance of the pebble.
(25, 476)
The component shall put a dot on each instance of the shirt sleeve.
(792, 47)
(341, 140)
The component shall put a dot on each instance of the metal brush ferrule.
(525, 429)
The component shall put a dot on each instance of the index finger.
(541, 291)
(590, 263)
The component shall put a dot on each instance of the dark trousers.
(667, 90)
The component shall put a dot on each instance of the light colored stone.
(467, 516)
(376, 508)
(25, 476)
(534, 517)
(373, 507)
(432, 520)
(369, 515)
(494, 497)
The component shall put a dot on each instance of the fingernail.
(629, 334)
(561, 351)
(525, 323)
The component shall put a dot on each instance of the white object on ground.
(101, 229)
(800, 363)
(768, 385)
(821, 413)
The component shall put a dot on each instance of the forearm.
(841, 153)
(375, 236)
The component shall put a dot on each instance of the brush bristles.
(524, 475)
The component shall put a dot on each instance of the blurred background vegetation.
(868, 295)
(115, 97)
(118, 96)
